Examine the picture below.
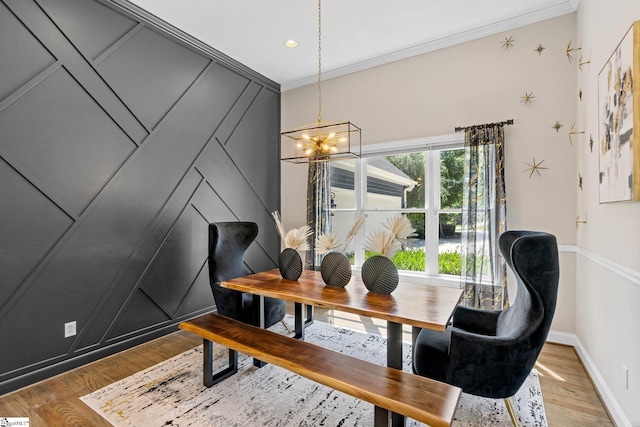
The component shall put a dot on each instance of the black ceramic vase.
(290, 264)
(335, 269)
(379, 274)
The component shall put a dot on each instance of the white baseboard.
(607, 396)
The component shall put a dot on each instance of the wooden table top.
(410, 303)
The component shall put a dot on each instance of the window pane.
(395, 182)
(412, 255)
(449, 243)
(451, 164)
(342, 185)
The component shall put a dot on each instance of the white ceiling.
(356, 34)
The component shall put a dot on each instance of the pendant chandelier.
(321, 141)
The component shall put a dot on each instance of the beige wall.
(608, 261)
(480, 82)
(472, 83)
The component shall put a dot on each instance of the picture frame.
(619, 121)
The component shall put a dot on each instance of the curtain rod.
(508, 122)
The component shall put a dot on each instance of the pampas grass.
(354, 230)
(295, 238)
(328, 242)
(388, 241)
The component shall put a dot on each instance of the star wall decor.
(580, 181)
(580, 94)
(571, 49)
(557, 126)
(527, 98)
(508, 42)
(573, 132)
(578, 222)
(534, 167)
(581, 63)
(591, 142)
(539, 49)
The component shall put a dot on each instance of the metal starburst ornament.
(557, 126)
(591, 143)
(580, 181)
(573, 132)
(534, 167)
(527, 98)
(581, 63)
(508, 42)
(539, 49)
(578, 222)
(571, 49)
(580, 94)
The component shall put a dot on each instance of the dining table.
(418, 305)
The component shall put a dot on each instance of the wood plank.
(420, 398)
(569, 395)
(412, 304)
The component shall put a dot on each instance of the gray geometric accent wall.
(119, 143)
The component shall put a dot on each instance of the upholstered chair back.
(228, 242)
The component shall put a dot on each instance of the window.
(423, 184)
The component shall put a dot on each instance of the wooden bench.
(389, 389)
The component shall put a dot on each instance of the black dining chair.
(491, 353)
(228, 242)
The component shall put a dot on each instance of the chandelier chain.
(319, 61)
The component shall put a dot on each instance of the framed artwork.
(619, 121)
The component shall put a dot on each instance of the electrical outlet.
(69, 329)
(626, 377)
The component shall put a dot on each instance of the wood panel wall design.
(119, 143)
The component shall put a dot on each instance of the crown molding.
(569, 6)
(139, 14)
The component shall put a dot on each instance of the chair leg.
(512, 412)
(286, 326)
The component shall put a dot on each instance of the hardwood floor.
(570, 398)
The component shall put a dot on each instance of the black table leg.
(258, 301)
(380, 417)
(309, 319)
(300, 322)
(394, 360)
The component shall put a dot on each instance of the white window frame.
(432, 204)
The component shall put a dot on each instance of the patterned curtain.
(484, 218)
(318, 204)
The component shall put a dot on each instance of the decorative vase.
(290, 264)
(335, 269)
(379, 274)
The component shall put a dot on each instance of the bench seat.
(420, 398)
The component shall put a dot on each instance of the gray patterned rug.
(171, 393)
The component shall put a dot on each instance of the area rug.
(171, 393)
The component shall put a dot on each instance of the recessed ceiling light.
(291, 43)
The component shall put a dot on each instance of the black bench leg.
(380, 417)
(208, 377)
